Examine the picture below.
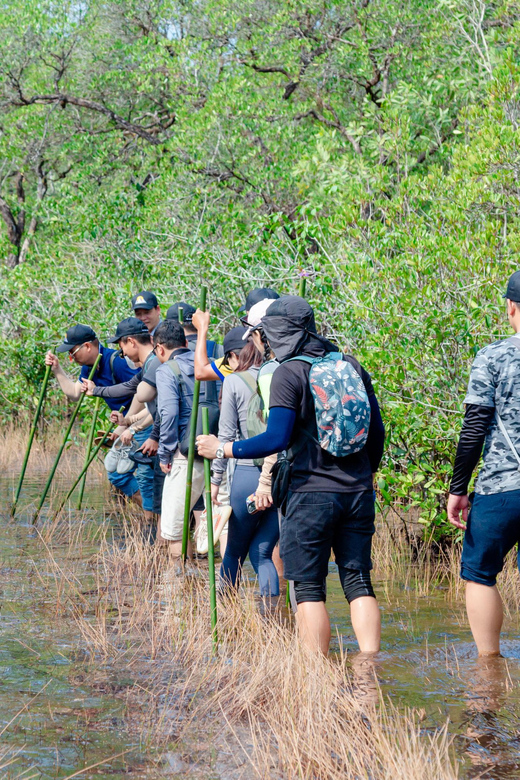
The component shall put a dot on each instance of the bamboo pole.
(180, 314)
(211, 544)
(60, 451)
(303, 287)
(31, 437)
(191, 449)
(91, 436)
(85, 468)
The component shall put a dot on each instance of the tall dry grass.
(13, 445)
(295, 714)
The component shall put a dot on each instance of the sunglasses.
(74, 351)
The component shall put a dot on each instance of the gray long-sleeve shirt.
(174, 405)
(233, 418)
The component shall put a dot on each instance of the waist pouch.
(280, 481)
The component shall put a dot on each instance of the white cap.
(256, 314)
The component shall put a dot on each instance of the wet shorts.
(316, 523)
(493, 530)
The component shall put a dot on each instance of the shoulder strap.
(112, 359)
(174, 368)
(246, 377)
(508, 439)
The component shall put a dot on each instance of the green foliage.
(374, 145)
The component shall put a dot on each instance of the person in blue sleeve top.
(83, 347)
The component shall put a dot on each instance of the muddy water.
(66, 718)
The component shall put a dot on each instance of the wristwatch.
(220, 451)
(132, 430)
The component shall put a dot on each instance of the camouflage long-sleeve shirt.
(495, 382)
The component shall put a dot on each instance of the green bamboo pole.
(211, 544)
(181, 315)
(303, 287)
(85, 468)
(191, 449)
(90, 442)
(31, 437)
(60, 451)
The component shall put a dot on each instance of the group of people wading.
(297, 437)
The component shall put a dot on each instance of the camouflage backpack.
(341, 404)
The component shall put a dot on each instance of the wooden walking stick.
(211, 544)
(87, 465)
(60, 451)
(31, 437)
(90, 442)
(191, 449)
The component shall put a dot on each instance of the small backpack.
(341, 404)
(256, 423)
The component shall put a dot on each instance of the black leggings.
(355, 583)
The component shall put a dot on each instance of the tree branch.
(148, 134)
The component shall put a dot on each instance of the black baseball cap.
(144, 300)
(129, 327)
(234, 339)
(513, 288)
(255, 296)
(187, 312)
(78, 334)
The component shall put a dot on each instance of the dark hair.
(225, 359)
(268, 352)
(141, 338)
(249, 357)
(170, 334)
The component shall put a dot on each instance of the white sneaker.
(221, 515)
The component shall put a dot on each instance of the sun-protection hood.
(291, 330)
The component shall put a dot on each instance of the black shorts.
(316, 523)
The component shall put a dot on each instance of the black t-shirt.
(313, 468)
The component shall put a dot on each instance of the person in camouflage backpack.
(330, 500)
(492, 526)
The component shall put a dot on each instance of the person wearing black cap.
(492, 526)
(329, 501)
(257, 295)
(147, 309)
(83, 347)
(134, 340)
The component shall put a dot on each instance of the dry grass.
(13, 445)
(305, 717)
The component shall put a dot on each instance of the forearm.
(141, 421)
(201, 355)
(264, 482)
(275, 439)
(472, 437)
(118, 391)
(135, 408)
(70, 387)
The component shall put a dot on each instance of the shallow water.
(56, 716)
(66, 717)
(428, 662)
